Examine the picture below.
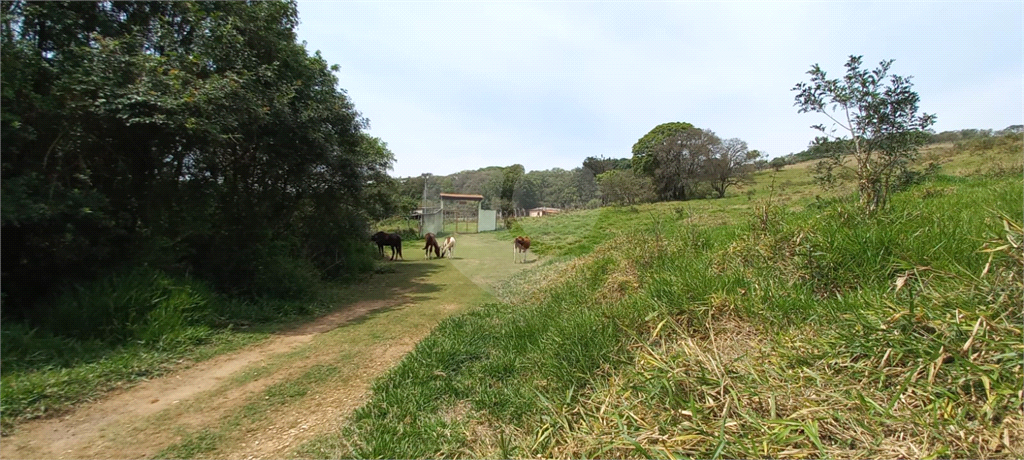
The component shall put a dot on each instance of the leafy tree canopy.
(644, 161)
(195, 136)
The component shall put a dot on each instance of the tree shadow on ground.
(404, 283)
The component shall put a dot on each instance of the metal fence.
(487, 221)
(432, 222)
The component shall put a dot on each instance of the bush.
(140, 304)
(281, 276)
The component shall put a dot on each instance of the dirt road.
(267, 399)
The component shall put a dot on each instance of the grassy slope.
(783, 327)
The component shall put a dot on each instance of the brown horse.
(432, 244)
(392, 240)
(520, 246)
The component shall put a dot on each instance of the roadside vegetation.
(172, 173)
(45, 373)
(780, 324)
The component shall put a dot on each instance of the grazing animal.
(520, 246)
(448, 247)
(391, 240)
(432, 244)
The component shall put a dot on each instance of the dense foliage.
(625, 187)
(684, 162)
(196, 138)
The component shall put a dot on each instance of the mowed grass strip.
(335, 360)
(785, 331)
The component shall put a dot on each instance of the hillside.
(779, 322)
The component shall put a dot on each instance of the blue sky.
(452, 86)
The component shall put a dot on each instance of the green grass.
(54, 386)
(429, 290)
(46, 374)
(776, 322)
(744, 327)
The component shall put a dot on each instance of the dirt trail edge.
(220, 399)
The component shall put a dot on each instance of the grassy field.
(776, 322)
(782, 323)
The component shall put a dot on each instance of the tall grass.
(819, 331)
(140, 304)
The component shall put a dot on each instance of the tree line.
(674, 161)
(197, 138)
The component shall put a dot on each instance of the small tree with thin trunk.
(881, 128)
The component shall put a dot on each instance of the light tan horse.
(448, 247)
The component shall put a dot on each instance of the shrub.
(140, 304)
(281, 276)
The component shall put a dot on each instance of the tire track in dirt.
(327, 410)
(213, 396)
(90, 431)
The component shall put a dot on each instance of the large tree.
(731, 163)
(875, 120)
(381, 194)
(680, 161)
(644, 159)
(199, 129)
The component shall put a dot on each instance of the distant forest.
(511, 187)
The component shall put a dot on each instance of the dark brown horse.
(392, 240)
(432, 243)
(520, 246)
